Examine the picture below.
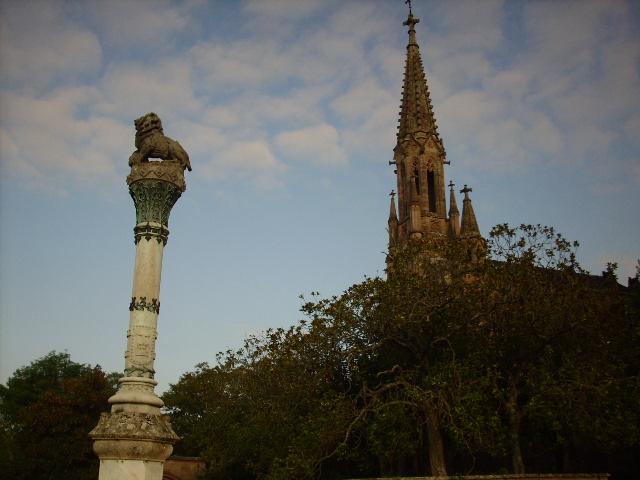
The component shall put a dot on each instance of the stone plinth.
(132, 445)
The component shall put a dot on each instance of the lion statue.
(152, 143)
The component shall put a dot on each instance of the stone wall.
(511, 476)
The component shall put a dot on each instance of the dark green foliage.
(519, 360)
(47, 410)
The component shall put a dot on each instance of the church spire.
(469, 227)
(416, 110)
(419, 159)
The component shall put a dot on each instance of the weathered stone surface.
(154, 196)
(130, 470)
(170, 172)
(134, 426)
(136, 395)
(152, 143)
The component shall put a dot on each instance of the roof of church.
(416, 110)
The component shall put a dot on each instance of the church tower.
(419, 159)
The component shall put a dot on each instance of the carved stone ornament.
(152, 143)
(170, 172)
(133, 435)
(149, 231)
(134, 425)
(141, 304)
(153, 200)
(135, 370)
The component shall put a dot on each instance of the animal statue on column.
(152, 143)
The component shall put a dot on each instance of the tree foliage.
(47, 410)
(520, 360)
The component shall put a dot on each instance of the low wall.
(510, 476)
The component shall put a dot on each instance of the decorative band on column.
(149, 231)
(139, 371)
(141, 304)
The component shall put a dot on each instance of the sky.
(288, 110)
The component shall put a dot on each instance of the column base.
(130, 470)
(132, 445)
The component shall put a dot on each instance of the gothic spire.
(453, 205)
(416, 110)
(469, 225)
(393, 216)
(454, 213)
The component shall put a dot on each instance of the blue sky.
(288, 111)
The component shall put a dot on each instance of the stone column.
(134, 439)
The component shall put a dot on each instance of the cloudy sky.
(288, 110)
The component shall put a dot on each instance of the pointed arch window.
(431, 189)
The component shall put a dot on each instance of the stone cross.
(466, 190)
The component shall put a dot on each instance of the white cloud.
(140, 25)
(361, 101)
(39, 44)
(318, 145)
(46, 137)
(241, 64)
(131, 90)
(251, 161)
(198, 139)
(326, 89)
(375, 135)
(466, 25)
(284, 10)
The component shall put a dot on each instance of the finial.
(466, 190)
(451, 185)
(392, 194)
(408, 2)
(411, 23)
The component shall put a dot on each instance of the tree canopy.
(518, 361)
(46, 411)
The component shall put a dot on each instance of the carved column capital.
(155, 188)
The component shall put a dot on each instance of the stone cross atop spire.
(416, 110)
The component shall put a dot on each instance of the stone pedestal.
(134, 439)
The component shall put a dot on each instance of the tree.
(549, 337)
(517, 358)
(48, 408)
